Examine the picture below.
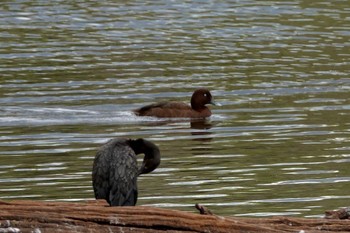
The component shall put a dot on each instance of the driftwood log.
(95, 216)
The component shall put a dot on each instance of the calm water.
(71, 72)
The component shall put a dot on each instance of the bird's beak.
(214, 103)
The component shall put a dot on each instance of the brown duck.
(197, 109)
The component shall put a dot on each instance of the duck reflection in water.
(198, 109)
(115, 170)
(201, 124)
(200, 131)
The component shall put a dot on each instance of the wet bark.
(96, 216)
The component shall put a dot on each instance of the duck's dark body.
(173, 109)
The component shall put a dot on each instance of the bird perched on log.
(115, 170)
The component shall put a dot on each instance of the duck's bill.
(215, 103)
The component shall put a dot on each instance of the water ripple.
(71, 74)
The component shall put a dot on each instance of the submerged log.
(96, 216)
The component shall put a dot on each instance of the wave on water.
(67, 116)
(70, 116)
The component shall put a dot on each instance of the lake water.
(72, 72)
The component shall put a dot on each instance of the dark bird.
(115, 170)
(197, 109)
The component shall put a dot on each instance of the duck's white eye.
(205, 94)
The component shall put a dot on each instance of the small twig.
(203, 210)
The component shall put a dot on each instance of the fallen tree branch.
(97, 216)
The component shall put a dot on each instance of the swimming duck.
(198, 109)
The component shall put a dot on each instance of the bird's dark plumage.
(197, 109)
(115, 169)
